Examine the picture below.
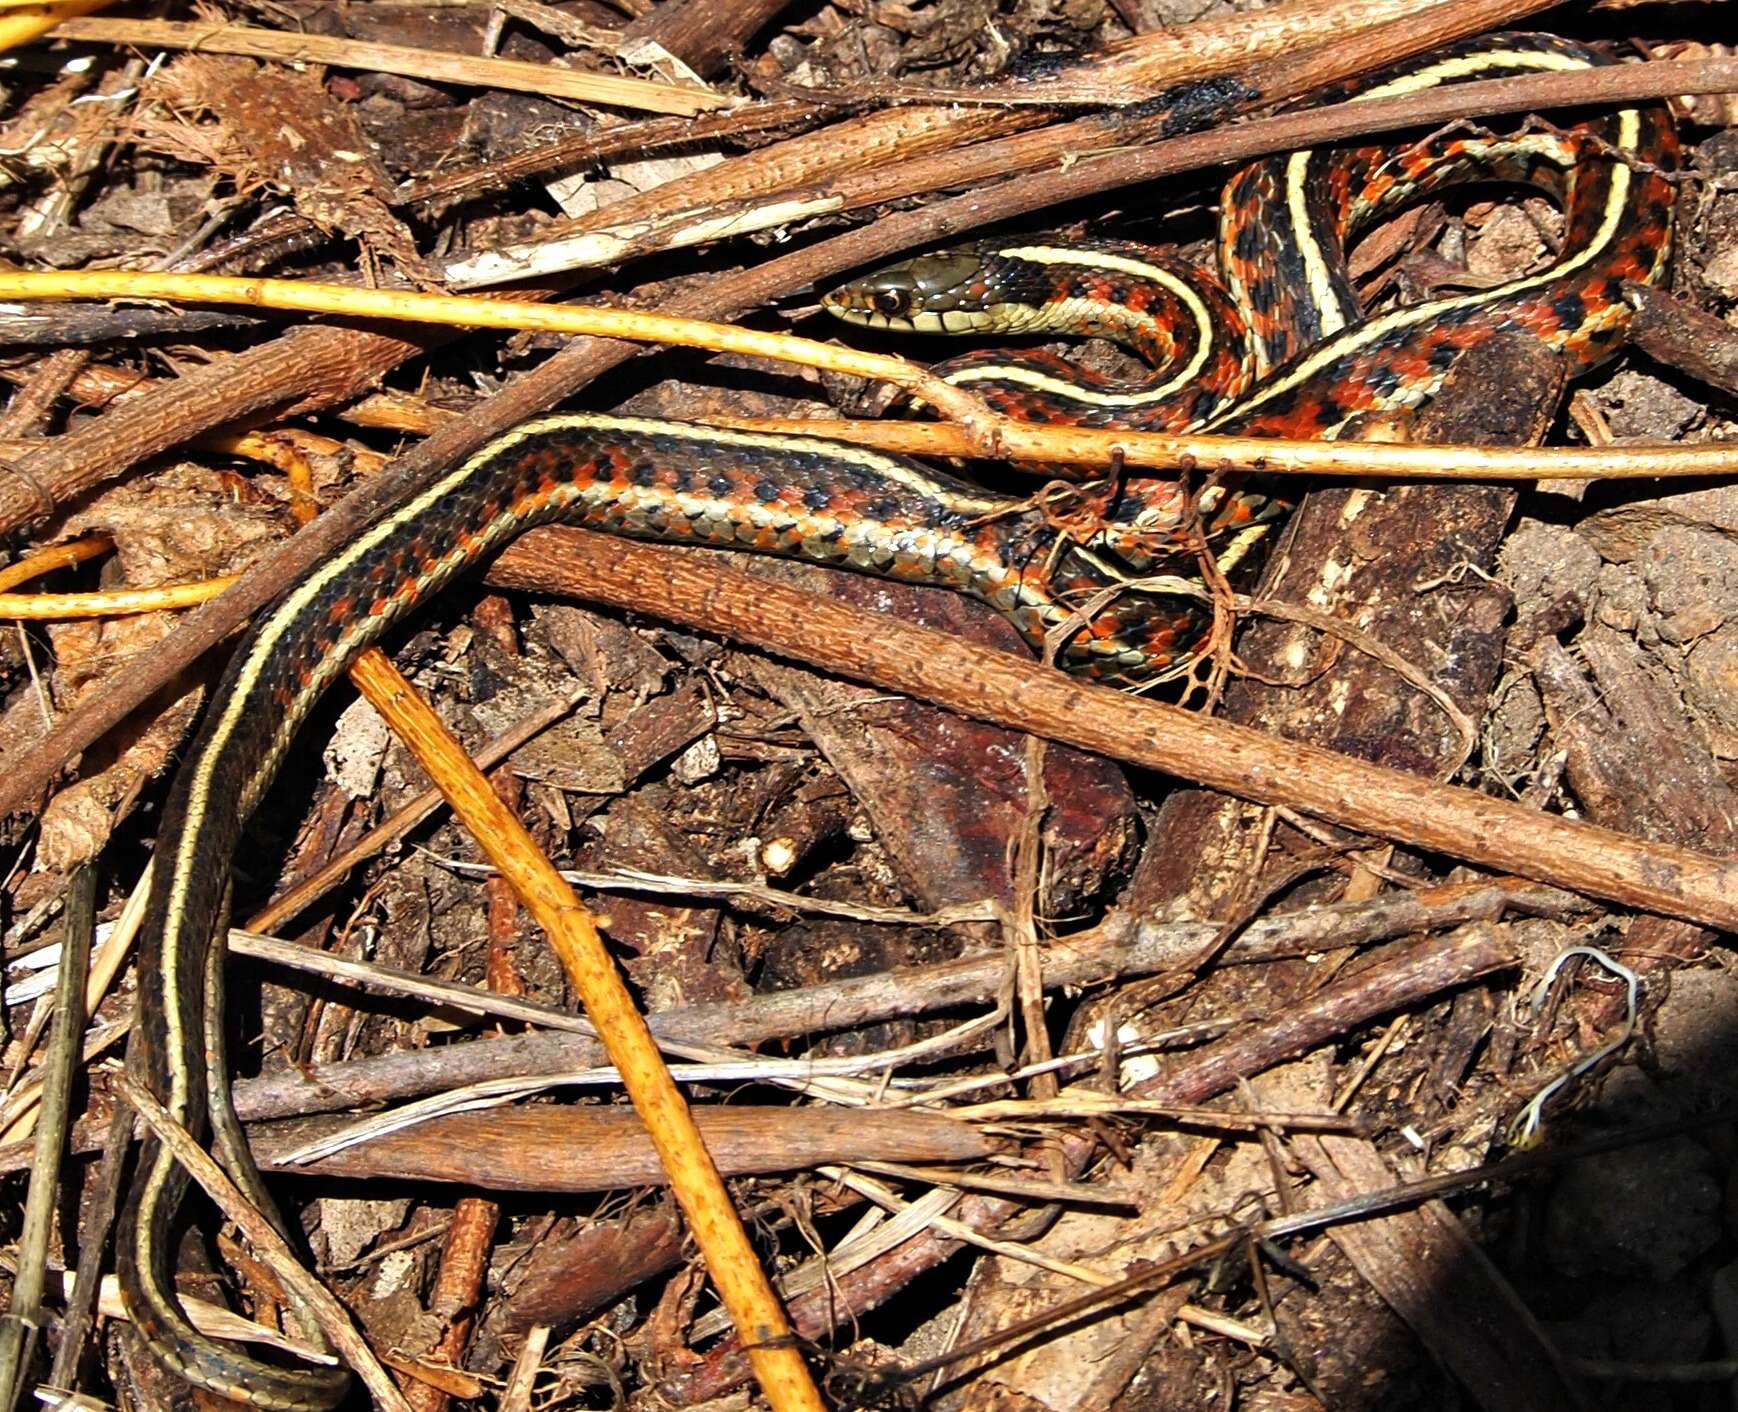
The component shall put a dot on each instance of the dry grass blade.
(25, 1314)
(437, 65)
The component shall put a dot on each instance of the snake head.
(939, 293)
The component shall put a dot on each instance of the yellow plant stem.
(110, 603)
(978, 431)
(56, 556)
(1276, 456)
(462, 311)
(24, 23)
(694, 1179)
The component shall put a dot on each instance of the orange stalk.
(694, 1179)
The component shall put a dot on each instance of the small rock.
(1692, 579)
(700, 761)
(1695, 1035)
(1514, 728)
(358, 745)
(1622, 605)
(1622, 532)
(1552, 572)
(1711, 689)
(1629, 1095)
(1652, 1323)
(1639, 406)
(1720, 274)
(1507, 243)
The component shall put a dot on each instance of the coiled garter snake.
(1274, 343)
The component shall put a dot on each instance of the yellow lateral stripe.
(1629, 127)
(1205, 330)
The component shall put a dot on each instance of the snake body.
(1273, 342)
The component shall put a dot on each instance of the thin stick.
(442, 66)
(979, 431)
(1276, 456)
(267, 1243)
(461, 311)
(694, 1179)
(110, 602)
(58, 556)
(24, 1317)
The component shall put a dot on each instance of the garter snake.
(1273, 342)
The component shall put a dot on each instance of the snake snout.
(912, 295)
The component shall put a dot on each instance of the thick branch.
(995, 686)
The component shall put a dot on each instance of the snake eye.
(890, 303)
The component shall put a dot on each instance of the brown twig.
(1125, 946)
(704, 32)
(541, 1147)
(993, 686)
(1399, 979)
(25, 1313)
(28, 412)
(307, 369)
(1234, 43)
(1433, 1273)
(1682, 336)
(458, 1287)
